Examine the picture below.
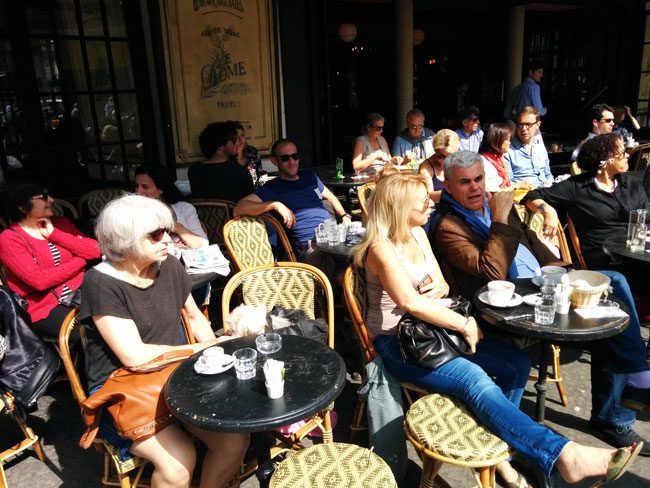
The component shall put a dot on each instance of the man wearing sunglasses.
(219, 176)
(416, 141)
(470, 133)
(602, 122)
(296, 196)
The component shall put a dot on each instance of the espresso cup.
(553, 274)
(212, 357)
(500, 292)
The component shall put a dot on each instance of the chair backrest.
(575, 169)
(295, 286)
(91, 203)
(356, 299)
(63, 208)
(69, 324)
(535, 222)
(575, 243)
(213, 214)
(248, 243)
(639, 157)
(363, 194)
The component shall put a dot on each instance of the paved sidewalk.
(57, 421)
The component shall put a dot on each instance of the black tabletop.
(341, 250)
(327, 174)
(315, 376)
(202, 279)
(565, 327)
(616, 246)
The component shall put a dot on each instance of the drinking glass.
(636, 230)
(545, 311)
(245, 362)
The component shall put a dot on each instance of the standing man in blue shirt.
(527, 158)
(470, 133)
(415, 143)
(527, 94)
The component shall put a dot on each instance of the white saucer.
(516, 300)
(217, 370)
(532, 299)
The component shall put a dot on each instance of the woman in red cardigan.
(43, 256)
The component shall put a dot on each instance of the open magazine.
(205, 259)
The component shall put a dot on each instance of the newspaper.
(206, 259)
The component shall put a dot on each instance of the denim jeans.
(497, 407)
(612, 359)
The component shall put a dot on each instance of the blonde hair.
(389, 209)
(446, 139)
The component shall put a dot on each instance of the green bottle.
(339, 168)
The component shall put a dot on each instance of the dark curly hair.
(216, 135)
(597, 149)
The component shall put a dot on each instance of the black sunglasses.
(43, 196)
(285, 157)
(607, 120)
(158, 234)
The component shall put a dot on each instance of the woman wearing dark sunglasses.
(370, 149)
(132, 313)
(44, 256)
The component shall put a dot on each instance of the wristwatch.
(346, 215)
(542, 208)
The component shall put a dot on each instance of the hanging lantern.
(418, 37)
(347, 32)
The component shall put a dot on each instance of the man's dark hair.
(534, 65)
(468, 113)
(598, 109)
(216, 135)
(280, 142)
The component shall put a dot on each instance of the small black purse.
(429, 345)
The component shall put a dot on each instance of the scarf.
(497, 162)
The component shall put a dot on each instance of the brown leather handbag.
(133, 397)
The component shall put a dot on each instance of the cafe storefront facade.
(89, 89)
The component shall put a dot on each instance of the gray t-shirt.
(156, 311)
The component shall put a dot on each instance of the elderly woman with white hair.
(131, 312)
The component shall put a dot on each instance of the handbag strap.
(162, 360)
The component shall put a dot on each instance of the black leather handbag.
(429, 345)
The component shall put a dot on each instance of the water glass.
(545, 312)
(636, 230)
(245, 363)
(333, 236)
(320, 235)
(343, 232)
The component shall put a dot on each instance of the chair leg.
(125, 481)
(430, 468)
(328, 435)
(3, 480)
(557, 374)
(485, 476)
(357, 420)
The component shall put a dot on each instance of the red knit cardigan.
(30, 268)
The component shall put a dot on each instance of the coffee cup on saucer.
(211, 358)
(500, 292)
(552, 274)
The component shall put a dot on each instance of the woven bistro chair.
(335, 464)
(575, 243)
(116, 471)
(63, 208)
(296, 286)
(639, 157)
(247, 241)
(91, 204)
(363, 194)
(213, 214)
(447, 433)
(9, 407)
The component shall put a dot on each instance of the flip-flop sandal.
(620, 463)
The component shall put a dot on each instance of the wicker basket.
(588, 287)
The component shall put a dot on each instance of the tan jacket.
(473, 262)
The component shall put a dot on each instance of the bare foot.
(577, 462)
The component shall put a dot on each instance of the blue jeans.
(612, 359)
(497, 407)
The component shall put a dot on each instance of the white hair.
(461, 159)
(123, 224)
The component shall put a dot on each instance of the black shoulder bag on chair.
(429, 345)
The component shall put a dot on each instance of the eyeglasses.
(440, 156)
(378, 127)
(45, 196)
(425, 204)
(527, 125)
(158, 234)
(619, 155)
(609, 121)
(285, 157)
(413, 126)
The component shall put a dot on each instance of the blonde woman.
(445, 142)
(370, 149)
(403, 276)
